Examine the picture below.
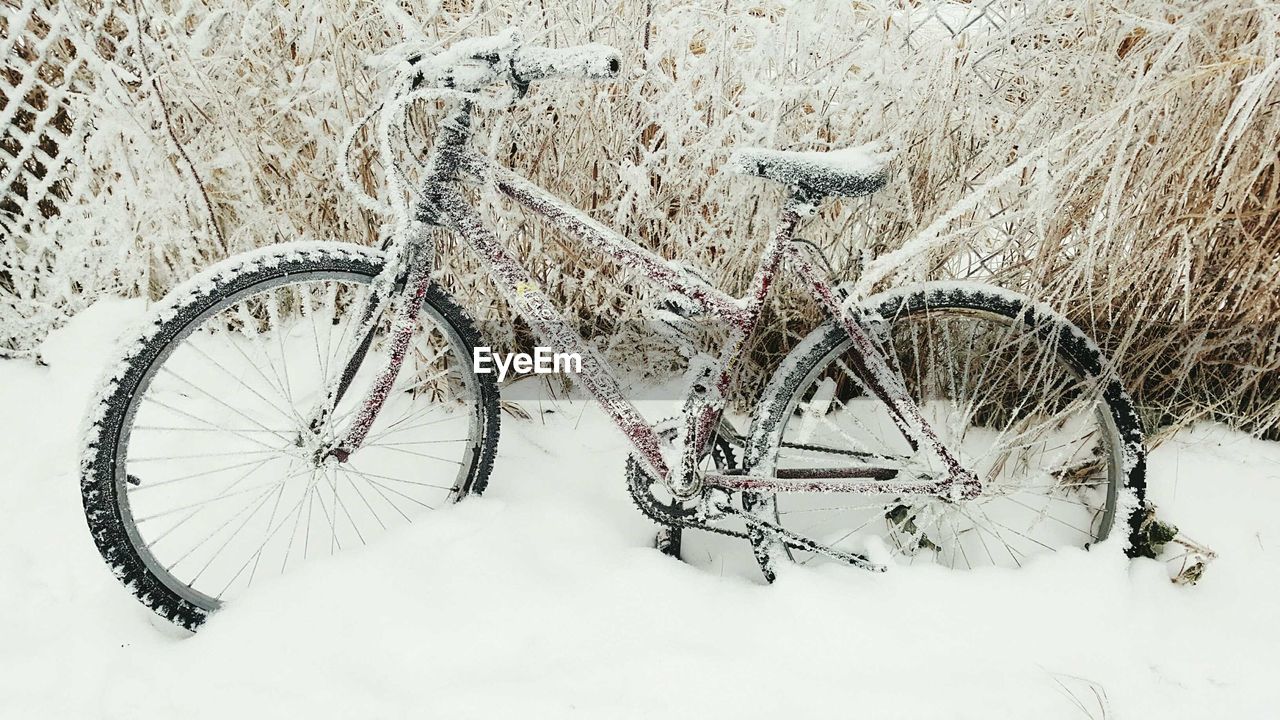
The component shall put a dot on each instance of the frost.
(848, 172)
(592, 61)
(1024, 138)
(134, 340)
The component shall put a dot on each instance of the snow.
(849, 171)
(531, 62)
(592, 61)
(543, 599)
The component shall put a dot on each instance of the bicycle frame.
(444, 205)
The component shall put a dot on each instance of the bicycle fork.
(410, 287)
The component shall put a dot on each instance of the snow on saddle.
(849, 172)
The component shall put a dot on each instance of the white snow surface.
(543, 599)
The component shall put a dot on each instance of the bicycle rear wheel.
(1018, 392)
(200, 475)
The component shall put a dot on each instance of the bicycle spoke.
(257, 555)
(1014, 555)
(1044, 514)
(237, 453)
(1001, 398)
(369, 478)
(257, 506)
(352, 467)
(380, 492)
(255, 441)
(216, 399)
(202, 473)
(196, 511)
(222, 467)
(207, 501)
(238, 380)
(339, 503)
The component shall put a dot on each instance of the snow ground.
(543, 599)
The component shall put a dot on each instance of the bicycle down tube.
(531, 303)
(741, 315)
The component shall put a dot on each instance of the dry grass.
(1116, 159)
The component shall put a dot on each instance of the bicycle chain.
(834, 451)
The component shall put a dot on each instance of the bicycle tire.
(183, 308)
(829, 340)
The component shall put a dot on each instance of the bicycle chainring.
(651, 497)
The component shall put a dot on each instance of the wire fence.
(52, 55)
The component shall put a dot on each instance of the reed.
(1116, 159)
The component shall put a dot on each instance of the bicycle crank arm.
(798, 542)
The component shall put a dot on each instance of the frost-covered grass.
(1112, 157)
(543, 599)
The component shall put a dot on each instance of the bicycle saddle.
(849, 172)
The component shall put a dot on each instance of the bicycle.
(951, 423)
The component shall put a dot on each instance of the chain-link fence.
(53, 55)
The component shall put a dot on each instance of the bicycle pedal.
(667, 541)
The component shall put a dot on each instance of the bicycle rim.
(215, 482)
(1000, 394)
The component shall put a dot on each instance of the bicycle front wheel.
(1017, 392)
(201, 476)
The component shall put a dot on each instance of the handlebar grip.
(590, 62)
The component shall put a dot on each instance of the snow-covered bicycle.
(307, 396)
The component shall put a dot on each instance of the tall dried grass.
(1115, 158)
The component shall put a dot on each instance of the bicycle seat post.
(804, 203)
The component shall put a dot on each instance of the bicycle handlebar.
(472, 64)
(588, 62)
